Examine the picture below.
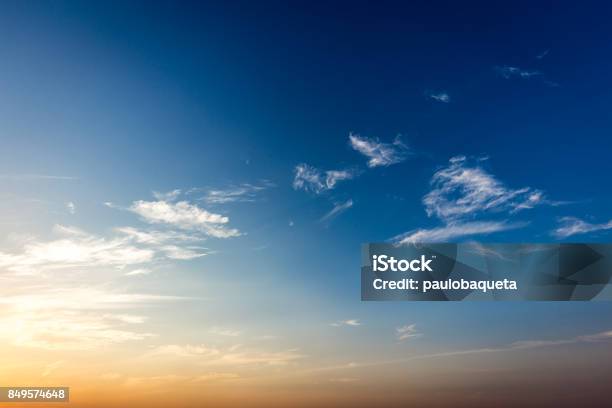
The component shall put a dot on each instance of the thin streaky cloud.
(442, 96)
(508, 72)
(245, 192)
(454, 231)
(139, 272)
(172, 195)
(337, 210)
(73, 318)
(347, 322)
(515, 346)
(407, 332)
(542, 54)
(573, 226)
(227, 356)
(461, 189)
(311, 179)
(185, 216)
(75, 249)
(379, 154)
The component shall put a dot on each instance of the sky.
(185, 189)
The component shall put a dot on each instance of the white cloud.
(543, 54)
(573, 226)
(234, 355)
(125, 318)
(379, 153)
(172, 195)
(311, 179)
(337, 210)
(185, 216)
(460, 193)
(508, 72)
(156, 237)
(241, 193)
(71, 207)
(407, 332)
(71, 318)
(75, 249)
(139, 271)
(443, 97)
(348, 322)
(454, 230)
(460, 190)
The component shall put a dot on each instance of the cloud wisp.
(441, 96)
(379, 154)
(543, 54)
(311, 179)
(185, 216)
(407, 332)
(347, 322)
(74, 248)
(72, 318)
(506, 348)
(573, 226)
(245, 192)
(462, 192)
(455, 230)
(338, 209)
(235, 355)
(508, 72)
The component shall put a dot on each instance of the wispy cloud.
(74, 248)
(311, 179)
(379, 153)
(441, 96)
(455, 230)
(172, 195)
(72, 318)
(337, 210)
(460, 189)
(236, 355)
(460, 193)
(572, 226)
(348, 322)
(245, 192)
(139, 271)
(71, 207)
(542, 54)
(407, 332)
(508, 72)
(515, 346)
(185, 216)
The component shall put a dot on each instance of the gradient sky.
(182, 203)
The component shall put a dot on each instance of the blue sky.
(103, 105)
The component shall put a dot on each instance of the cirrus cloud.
(379, 154)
